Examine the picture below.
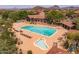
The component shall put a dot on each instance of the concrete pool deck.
(28, 43)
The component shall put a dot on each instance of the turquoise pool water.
(41, 30)
(41, 44)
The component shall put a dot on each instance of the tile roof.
(55, 50)
(67, 23)
(73, 31)
(41, 15)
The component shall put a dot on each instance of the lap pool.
(40, 30)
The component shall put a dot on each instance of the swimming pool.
(41, 30)
(41, 44)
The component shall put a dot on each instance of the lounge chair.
(26, 35)
(15, 30)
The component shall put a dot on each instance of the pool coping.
(39, 33)
(40, 47)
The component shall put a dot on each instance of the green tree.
(5, 14)
(55, 16)
(22, 14)
(7, 38)
(18, 15)
(72, 42)
(76, 21)
(14, 16)
(70, 13)
(31, 13)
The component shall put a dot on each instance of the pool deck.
(28, 43)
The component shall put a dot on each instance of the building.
(73, 31)
(37, 18)
(56, 50)
(67, 24)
